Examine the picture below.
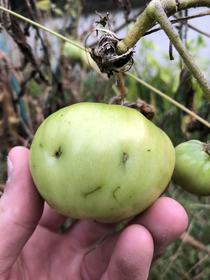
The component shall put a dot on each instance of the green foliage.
(180, 260)
(154, 67)
(93, 88)
(34, 89)
(195, 44)
(43, 5)
(183, 260)
(46, 6)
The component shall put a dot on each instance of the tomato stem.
(206, 148)
(206, 123)
(158, 11)
(148, 19)
(43, 28)
(109, 89)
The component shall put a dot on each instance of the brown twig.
(126, 5)
(21, 139)
(188, 239)
(207, 13)
(133, 19)
(10, 66)
(178, 19)
(2, 186)
(123, 89)
(171, 51)
(185, 276)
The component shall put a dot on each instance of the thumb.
(21, 207)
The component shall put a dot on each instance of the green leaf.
(44, 5)
(66, 7)
(58, 12)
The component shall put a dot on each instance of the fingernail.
(9, 170)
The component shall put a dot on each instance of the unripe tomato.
(101, 162)
(72, 52)
(77, 55)
(192, 167)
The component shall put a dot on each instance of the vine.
(156, 11)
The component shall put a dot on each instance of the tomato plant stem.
(147, 19)
(109, 88)
(163, 20)
(158, 11)
(170, 99)
(42, 27)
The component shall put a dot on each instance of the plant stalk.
(166, 25)
(147, 19)
(171, 100)
(42, 27)
(158, 11)
(109, 88)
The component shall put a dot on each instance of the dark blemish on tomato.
(58, 153)
(98, 188)
(117, 188)
(125, 157)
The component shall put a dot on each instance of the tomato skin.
(192, 167)
(77, 55)
(100, 162)
(72, 52)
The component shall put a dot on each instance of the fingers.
(166, 220)
(132, 255)
(88, 233)
(131, 258)
(51, 219)
(20, 209)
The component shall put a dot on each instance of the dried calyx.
(206, 147)
(106, 57)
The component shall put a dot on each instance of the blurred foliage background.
(39, 74)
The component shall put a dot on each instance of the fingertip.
(18, 157)
(20, 187)
(137, 243)
(16, 151)
(170, 212)
(166, 219)
(132, 255)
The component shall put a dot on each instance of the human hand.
(31, 248)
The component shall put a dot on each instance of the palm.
(50, 255)
(31, 248)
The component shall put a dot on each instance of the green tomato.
(192, 167)
(77, 55)
(101, 162)
(72, 52)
